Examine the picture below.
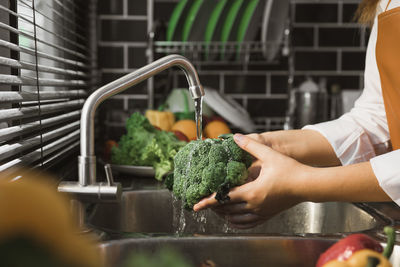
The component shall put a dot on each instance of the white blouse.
(362, 134)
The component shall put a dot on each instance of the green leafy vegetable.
(144, 145)
(204, 167)
(165, 257)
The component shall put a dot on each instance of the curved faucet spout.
(87, 160)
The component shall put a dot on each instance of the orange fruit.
(187, 127)
(216, 128)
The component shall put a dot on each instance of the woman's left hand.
(273, 186)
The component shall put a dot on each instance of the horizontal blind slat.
(10, 150)
(59, 154)
(64, 27)
(66, 18)
(32, 37)
(32, 52)
(19, 113)
(16, 97)
(29, 20)
(13, 63)
(47, 149)
(25, 80)
(9, 133)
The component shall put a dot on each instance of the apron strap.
(387, 6)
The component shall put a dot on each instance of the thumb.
(258, 150)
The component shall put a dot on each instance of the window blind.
(45, 75)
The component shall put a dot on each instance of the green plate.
(212, 23)
(198, 29)
(230, 20)
(173, 21)
(250, 15)
(194, 9)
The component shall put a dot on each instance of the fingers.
(256, 137)
(254, 171)
(236, 195)
(255, 148)
(205, 203)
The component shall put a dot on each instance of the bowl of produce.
(145, 150)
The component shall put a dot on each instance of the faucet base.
(98, 192)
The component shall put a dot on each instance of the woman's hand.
(306, 146)
(273, 179)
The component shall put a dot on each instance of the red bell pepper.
(347, 246)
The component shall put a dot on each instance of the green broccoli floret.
(144, 145)
(204, 167)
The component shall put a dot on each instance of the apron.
(388, 61)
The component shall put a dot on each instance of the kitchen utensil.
(275, 15)
(311, 108)
(229, 109)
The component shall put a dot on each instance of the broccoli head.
(207, 166)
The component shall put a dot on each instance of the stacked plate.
(227, 22)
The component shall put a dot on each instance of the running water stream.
(198, 103)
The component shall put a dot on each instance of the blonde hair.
(366, 12)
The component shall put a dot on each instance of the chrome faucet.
(87, 187)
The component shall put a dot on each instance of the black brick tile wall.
(124, 30)
(315, 61)
(315, 13)
(339, 37)
(136, 57)
(266, 107)
(303, 36)
(108, 7)
(245, 84)
(111, 57)
(279, 84)
(348, 12)
(137, 7)
(353, 60)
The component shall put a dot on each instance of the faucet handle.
(109, 174)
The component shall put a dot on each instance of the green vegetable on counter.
(208, 166)
(144, 145)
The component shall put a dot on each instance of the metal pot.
(308, 108)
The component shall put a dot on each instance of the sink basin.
(156, 211)
(228, 251)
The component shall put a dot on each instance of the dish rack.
(210, 53)
(239, 55)
(216, 52)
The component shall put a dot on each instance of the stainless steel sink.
(155, 211)
(147, 220)
(228, 251)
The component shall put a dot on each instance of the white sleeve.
(362, 133)
(387, 171)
